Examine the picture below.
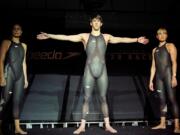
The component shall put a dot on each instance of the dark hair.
(161, 28)
(96, 16)
(18, 24)
(12, 27)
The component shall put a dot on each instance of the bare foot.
(79, 130)
(177, 130)
(160, 126)
(111, 129)
(20, 131)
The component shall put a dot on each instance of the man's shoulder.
(84, 34)
(106, 34)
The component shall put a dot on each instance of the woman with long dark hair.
(13, 75)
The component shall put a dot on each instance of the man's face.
(17, 30)
(162, 35)
(96, 24)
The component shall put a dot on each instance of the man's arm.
(72, 38)
(4, 48)
(115, 40)
(173, 54)
(152, 72)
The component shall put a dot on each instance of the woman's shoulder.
(171, 47)
(170, 44)
(6, 42)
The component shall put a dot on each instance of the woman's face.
(162, 35)
(16, 31)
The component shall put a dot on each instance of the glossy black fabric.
(95, 72)
(163, 79)
(14, 78)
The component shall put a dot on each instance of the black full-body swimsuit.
(95, 71)
(163, 79)
(14, 77)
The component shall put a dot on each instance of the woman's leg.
(18, 94)
(163, 107)
(172, 98)
(6, 91)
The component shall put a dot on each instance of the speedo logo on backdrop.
(56, 55)
(53, 55)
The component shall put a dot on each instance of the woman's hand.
(174, 82)
(151, 86)
(26, 84)
(2, 82)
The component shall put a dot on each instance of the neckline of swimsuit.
(162, 45)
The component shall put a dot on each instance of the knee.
(15, 115)
(16, 112)
(7, 96)
(103, 99)
(2, 103)
(86, 99)
(164, 108)
(172, 99)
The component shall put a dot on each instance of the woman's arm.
(3, 50)
(152, 72)
(173, 53)
(25, 66)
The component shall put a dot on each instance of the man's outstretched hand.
(143, 40)
(42, 36)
